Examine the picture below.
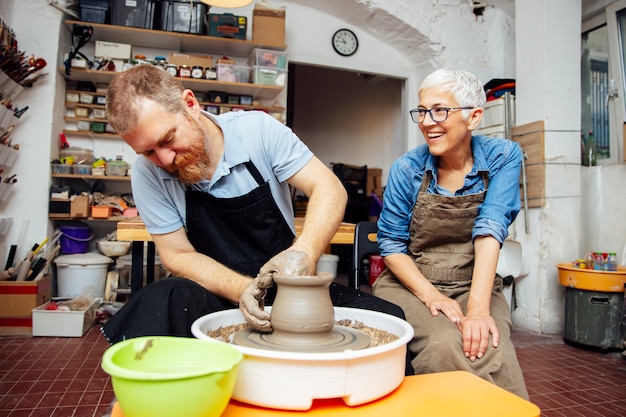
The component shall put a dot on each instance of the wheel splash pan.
(292, 380)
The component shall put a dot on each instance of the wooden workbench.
(134, 230)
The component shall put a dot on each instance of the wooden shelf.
(125, 178)
(257, 91)
(180, 42)
(203, 103)
(91, 219)
(91, 135)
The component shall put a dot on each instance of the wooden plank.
(531, 138)
(535, 181)
(135, 230)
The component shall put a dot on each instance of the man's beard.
(193, 165)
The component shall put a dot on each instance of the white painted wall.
(36, 26)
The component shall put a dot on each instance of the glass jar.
(160, 61)
(172, 69)
(197, 72)
(210, 73)
(184, 71)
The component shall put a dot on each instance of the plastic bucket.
(328, 263)
(75, 239)
(81, 274)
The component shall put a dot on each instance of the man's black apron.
(242, 233)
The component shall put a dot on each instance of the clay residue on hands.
(291, 263)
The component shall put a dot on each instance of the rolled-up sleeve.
(400, 195)
(502, 201)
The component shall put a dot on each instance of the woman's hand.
(476, 329)
(438, 302)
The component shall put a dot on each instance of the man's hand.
(251, 304)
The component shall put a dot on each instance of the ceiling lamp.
(229, 4)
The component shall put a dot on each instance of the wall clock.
(345, 42)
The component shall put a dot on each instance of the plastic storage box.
(80, 155)
(269, 76)
(268, 58)
(94, 11)
(233, 73)
(60, 323)
(135, 13)
(116, 168)
(184, 16)
(61, 169)
(81, 169)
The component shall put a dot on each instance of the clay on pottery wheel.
(303, 319)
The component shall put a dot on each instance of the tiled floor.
(61, 377)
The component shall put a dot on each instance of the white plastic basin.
(292, 380)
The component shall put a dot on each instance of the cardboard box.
(59, 323)
(268, 25)
(112, 50)
(191, 60)
(17, 299)
(80, 207)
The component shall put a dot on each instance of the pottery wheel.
(339, 339)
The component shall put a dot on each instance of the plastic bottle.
(611, 262)
(592, 150)
(598, 261)
(589, 260)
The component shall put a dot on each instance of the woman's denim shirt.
(500, 158)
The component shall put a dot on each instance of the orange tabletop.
(445, 394)
(133, 229)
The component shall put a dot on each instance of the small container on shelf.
(86, 98)
(268, 58)
(245, 100)
(233, 73)
(98, 127)
(81, 169)
(78, 155)
(212, 109)
(217, 97)
(101, 212)
(100, 100)
(81, 112)
(98, 171)
(116, 168)
(83, 125)
(269, 76)
(72, 97)
(61, 169)
(99, 113)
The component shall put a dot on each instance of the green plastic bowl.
(162, 376)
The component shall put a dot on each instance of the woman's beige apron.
(441, 247)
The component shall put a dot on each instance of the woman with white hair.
(446, 211)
